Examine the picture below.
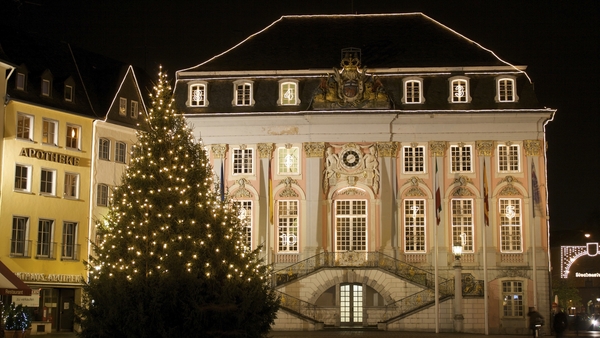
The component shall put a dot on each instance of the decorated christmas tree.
(171, 260)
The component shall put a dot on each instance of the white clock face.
(350, 158)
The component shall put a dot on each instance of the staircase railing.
(300, 307)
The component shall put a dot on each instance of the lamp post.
(458, 316)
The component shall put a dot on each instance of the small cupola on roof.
(350, 87)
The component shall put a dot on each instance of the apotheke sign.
(50, 156)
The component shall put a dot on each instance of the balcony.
(20, 248)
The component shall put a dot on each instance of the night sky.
(559, 42)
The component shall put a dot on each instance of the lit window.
(288, 93)
(245, 216)
(22, 177)
(414, 159)
(20, 81)
(122, 106)
(120, 151)
(48, 182)
(462, 223)
(414, 225)
(351, 225)
(459, 90)
(412, 91)
(512, 299)
(73, 136)
(243, 161)
(461, 158)
(510, 225)
(68, 93)
(102, 195)
(70, 249)
(19, 245)
(46, 87)
(25, 127)
(197, 95)
(506, 90)
(288, 160)
(508, 158)
(49, 132)
(44, 240)
(104, 149)
(243, 93)
(133, 112)
(71, 185)
(287, 226)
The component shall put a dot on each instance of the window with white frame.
(120, 152)
(198, 95)
(68, 93)
(413, 91)
(510, 225)
(243, 93)
(287, 226)
(22, 177)
(48, 182)
(122, 106)
(245, 215)
(102, 195)
(462, 223)
(104, 149)
(25, 127)
(133, 109)
(243, 161)
(44, 238)
(414, 225)
(71, 185)
(69, 244)
(414, 159)
(508, 158)
(506, 90)
(49, 132)
(350, 225)
(288, 93)
(20, 83)
(46, 87)
(19, 246)
(512, 299)
(73, 136)
(461, 158)
(288, 160)
(459, 90)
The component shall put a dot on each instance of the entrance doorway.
(351, 304)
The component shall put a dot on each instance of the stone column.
(388, 211)
(532, 151)
(314, 152)
(219, 151)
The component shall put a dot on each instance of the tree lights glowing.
(169, 257)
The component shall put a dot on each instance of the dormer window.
(242, 93)
(413, 91)
(68, 93)
(506, 90)
(197, 95)
(46, 87)
(133, 112)
(122, 106)
(288, 93)
(20, 81)
(459, 90)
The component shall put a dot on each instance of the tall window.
(508, 158)
(506, 90)
(245, 215)
(243, 161)
(104, 149)
(73, 136)
(198, 95)
(102, 195)
(461, 158)
(44, 240)
(25, 127)
(20, 81)
(134, 110)
(459, 91)
(48, 182)
(412, 91)
(414, 225)
(288, 93)
(71, 185)
(414, 159)
(512, 299)
(45, 87)
(68, 93)
(69, 244)
(49, 132)
(22, 177)
(351, 225)
(510, 225)
(243, 94)
(19, 246)
(122, 106)
(287, 226)
(120, 152)
(462, 223)
(288, 160)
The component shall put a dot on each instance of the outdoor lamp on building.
(458, 315)
(457, 250)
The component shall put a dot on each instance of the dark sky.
(558, 40)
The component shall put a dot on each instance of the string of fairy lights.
(167, 212)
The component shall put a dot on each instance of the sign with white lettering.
(31, 301)
(43, 277)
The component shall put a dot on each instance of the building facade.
(358, 182)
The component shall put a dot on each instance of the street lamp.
(458, 316)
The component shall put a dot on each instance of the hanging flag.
(536, 190)
(438, 196)
(486, 203)
(270, 195)
(222, 183)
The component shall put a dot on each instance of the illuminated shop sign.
(48, 277)
(50, 156)
(587, 274)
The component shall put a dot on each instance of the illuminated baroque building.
(68, 117)
(358, 181)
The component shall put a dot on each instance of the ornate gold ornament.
(242, 192)
(532, 147)
(218, 150)
(353, 165)
(288, 191)
(484, 148)
(438, 148)
(265, 149)
(314, 149)
(387, 149)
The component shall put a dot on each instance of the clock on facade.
(350, 158)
